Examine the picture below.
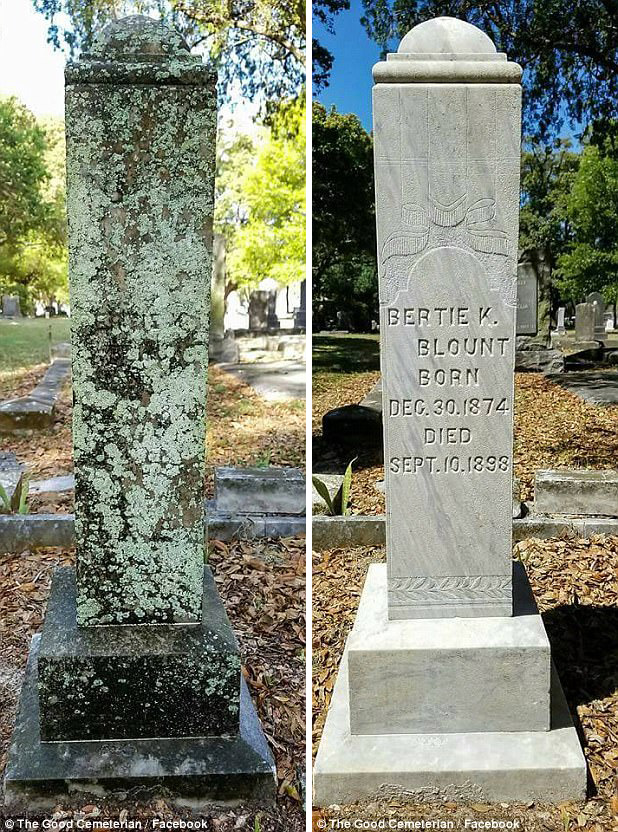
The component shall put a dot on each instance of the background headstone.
(584, 322)
(598, 302)
(560, 328)
(10, 306)
(527, 299)
(258, 310)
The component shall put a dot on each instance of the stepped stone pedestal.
(446, 688)
(134, 690)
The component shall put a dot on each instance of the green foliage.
(23, 173)
(18, 502)
(547, 175)
(591, 260)
(257, 45)
(33, 257)
(261, 201)
(339, 504)
(344, 265)
(568, 49)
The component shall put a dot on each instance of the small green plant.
(18, 502)
(338, 505)
(263, 460)
(257, 826)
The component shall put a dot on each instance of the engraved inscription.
(447, 203)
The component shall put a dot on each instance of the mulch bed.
(575, 583)
(263, 588)
(243, 429)
(553, 429)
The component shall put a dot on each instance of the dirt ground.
(575, 583)
(553, 429)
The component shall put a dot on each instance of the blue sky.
(350, 81)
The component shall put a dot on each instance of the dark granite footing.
(136, 681)
(189, 773)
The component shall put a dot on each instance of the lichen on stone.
(140, 171)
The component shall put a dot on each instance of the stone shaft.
(140, 123)
(447, 159)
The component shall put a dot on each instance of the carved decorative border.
(457, 589)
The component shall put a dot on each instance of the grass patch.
(346, 353)
(25, 342)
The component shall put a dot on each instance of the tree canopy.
(344, 270)
(33, 261)
(261, 200)
(22, 172)
(547, 175)
(568, 49)
(257, 45)
(590, 261)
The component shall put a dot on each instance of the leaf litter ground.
(262, 584)
(575, 583)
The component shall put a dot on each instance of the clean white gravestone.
(445, 688)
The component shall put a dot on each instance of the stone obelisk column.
(445, 687)
(447, 157)
(140, 174)
(134, 684)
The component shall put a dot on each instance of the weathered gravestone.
(560, 328)
(135, 685)
(444, 686)
(217, 290)
(222, 347)
(584, 323)
(598, 302)
(527, 299)
(10, 306)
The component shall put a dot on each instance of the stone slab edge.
(370, 530)
(21, 532)
(189, 773)
(36, 410)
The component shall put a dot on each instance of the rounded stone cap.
(138, 38)
(139, 50)
(446, 35)
(446, 50)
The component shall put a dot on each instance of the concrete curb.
(21, 532)
(364, 530)
(36, 410)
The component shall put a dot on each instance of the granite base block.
(516, 766)
(186, 772)
(139, 681)
(447, 675)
